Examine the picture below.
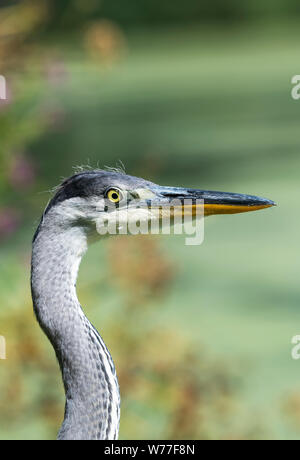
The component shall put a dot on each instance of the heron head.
(97, 198)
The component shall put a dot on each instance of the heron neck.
(91, 387)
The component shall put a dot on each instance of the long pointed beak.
(212, 201)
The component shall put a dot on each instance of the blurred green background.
(183, 93)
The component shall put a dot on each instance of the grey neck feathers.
(91, 387)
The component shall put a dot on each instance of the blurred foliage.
(148, 13)
(182, 94)
(21, 118)
(165, 382)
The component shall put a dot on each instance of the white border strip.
(2, 347)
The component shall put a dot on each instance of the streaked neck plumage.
(92, 393)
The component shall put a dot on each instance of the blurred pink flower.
(56, 73)
(9, 222)
(55, 116)
(22, 172)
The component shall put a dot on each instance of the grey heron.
(68, 224)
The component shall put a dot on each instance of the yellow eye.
(114, 195)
